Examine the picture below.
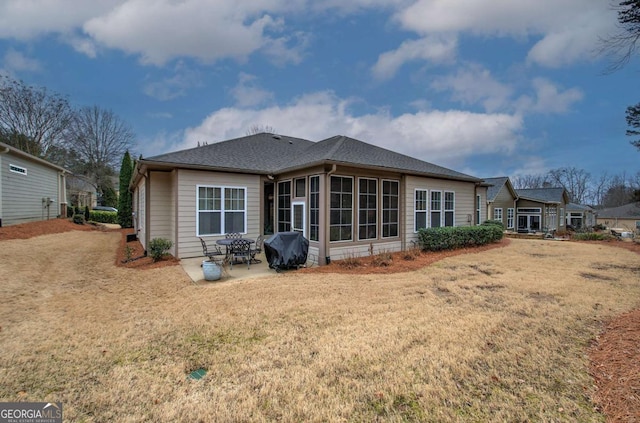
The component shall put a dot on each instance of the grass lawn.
(500, 335)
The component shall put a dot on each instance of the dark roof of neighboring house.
(543, 195)
(578, 207)
(628, 211)
(31, 157)
(495, 185)
(268, 153)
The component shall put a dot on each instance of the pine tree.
(125, 207)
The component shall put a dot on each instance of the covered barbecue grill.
(285, 250)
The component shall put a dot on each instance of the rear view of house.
(347, 197)
(30, 188)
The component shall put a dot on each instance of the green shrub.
(494, 222)
(87, 215)
(158, 247)
(451, 238)
(592, 236)
(101, 216)
(78, 218)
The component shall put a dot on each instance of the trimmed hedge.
(592, 236)
(451, 237)
(158, 247)
(102, 216)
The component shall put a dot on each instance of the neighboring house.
(624, 217)
(540, 209)
(347, 197)
(81, 192)
(580, 216)
(501, 201)
(30, 188)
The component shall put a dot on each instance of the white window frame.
(434, 210)
(303, 229)
(17, 169)
(291, 188)
(424, 211)
(222, 209)
(497, 214)
(478, 209)
(511, 216)
(445, 210)
(312, 209)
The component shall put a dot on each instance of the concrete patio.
(193, 268)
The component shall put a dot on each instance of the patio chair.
(257, 249)
(240, 250)
(233, 235)
(213, 253)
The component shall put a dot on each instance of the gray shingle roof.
(578, 207)
(628, 211)
(544, 195)
(262, 153)
(495, 185)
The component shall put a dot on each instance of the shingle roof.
(495, 185)
(264, 153)
(544, 195)
(260, 153)
(578, 207)
(628, 211)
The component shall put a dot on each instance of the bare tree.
(575, 181)
(259, 129)
(100, 138)
(622, 45)
(599, 188)
(33, 117)
(529, 181)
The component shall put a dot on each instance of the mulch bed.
(615, 354)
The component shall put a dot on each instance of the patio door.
(530, 222)
(298, 221)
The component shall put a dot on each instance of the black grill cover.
(285, 250)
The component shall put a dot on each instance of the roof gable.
(496, 185)
(628, 211)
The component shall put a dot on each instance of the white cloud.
(442, 137)
(160, 30)
(437, 49)
(175, 86)
(475, 84)
(247, 94)
(15, 61)
(568, 29)
(548, 98)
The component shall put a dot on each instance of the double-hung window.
(420, 209)
(510, 218)
(497, 214)
(390, 208)
(436, 209)
(341, 209)
(284, 206)
(449, 208)
(367, 208)
(221, 210)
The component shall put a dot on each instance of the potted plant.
(212, 270)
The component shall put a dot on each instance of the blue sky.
(486, 87)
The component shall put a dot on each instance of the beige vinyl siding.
(22, 194)
(187, 182)
(361, 250)
(162, 207)
(504, 200)
(465, 197)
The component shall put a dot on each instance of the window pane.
(421, 220)
(300, 187)
(448, 218)
(208, 223)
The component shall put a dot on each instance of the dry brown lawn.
(497, 335)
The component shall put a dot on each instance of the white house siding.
(162, 205)
(187, 182)
(23, 194)
(465, 201)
